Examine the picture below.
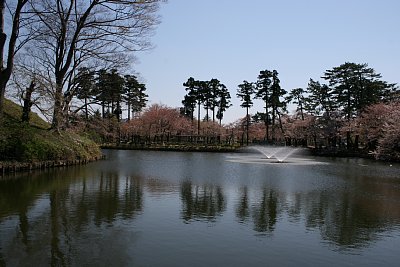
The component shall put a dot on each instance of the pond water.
(143, 208)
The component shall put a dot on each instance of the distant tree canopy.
(325, 107)
(270, 91)
(109, 90)
(356, 86)
(211, 94)
(135, 95)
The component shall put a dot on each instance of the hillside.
(34, 142)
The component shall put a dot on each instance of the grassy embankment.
(32, 145)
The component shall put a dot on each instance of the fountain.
(268, 151)
(281, 153)
(285, 153)
(273, 155)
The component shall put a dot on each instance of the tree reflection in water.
(263, 211)
(347, 220)
(201, 202)
(345, 217)
(73, 208)
(242, 210)
(46, 218)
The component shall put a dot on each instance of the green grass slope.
(34, 142)
(14, 111)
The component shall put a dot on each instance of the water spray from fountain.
(272, 154)
(281, 153)
(268, 151)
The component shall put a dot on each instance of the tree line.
(213, 95)
(337, 114)
(109, 90)
(349, 90)
(330, 113)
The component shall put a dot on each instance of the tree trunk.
(129, 110)
(301, 112)
(5, 73)
(247, 126)
(26, 110)
(207, 114)
(67, 98)
(280, 123)
(118, 111)
(3, 37)
(266, 123)
(57, 112)
(86, 110)
(273, 125)
(198, 119)
(213, 112)
(348, 139)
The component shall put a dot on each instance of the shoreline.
(7, 167)
(342, 153)
(176, 148)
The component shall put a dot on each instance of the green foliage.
(223, 102)
(14, 112)
(135, 95)
(245, 93)
(189, 104)
(212, 94)
(356, 86)
(319, 100)
(22, 142)
(297, 96)
(269, 90)
(85, 83)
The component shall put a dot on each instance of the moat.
(152, 208)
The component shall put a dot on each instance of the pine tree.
(85, 86)
(277, 105)
(296, 96)
(195, 91)
(356, 86)
(223, 102)
(264, 92)
(134, 95)
(245, 93)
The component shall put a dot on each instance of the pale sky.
(233, 40)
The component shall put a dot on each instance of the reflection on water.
(123, 210)
(74, 204)
(201, 202)
(263, 211)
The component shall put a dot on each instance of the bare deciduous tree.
(14, 44)
(75, 33)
